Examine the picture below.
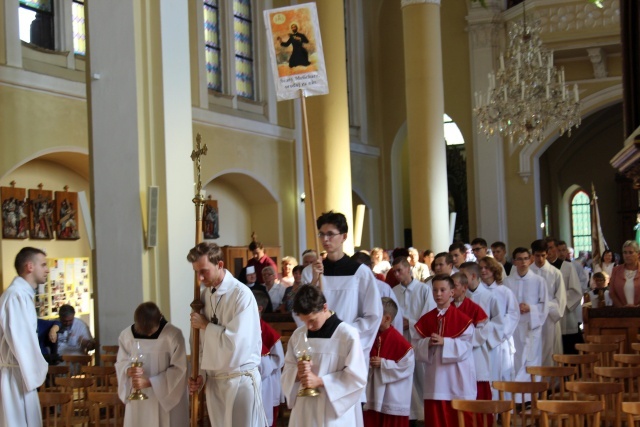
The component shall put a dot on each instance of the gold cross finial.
(40, 186)
(195, 156)
(12, 184)
(66, 188)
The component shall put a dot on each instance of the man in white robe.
(22, 366)
(531, 293)
(415, 299)
(164, 372)
(337, 369)
(557, 301)
(570, 322)
(350, 288)
(230, 343)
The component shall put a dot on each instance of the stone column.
(425, 110)
(328, 117)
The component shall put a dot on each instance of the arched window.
(581, 221)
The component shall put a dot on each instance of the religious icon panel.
(15, 213)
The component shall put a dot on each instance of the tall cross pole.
(196, 304)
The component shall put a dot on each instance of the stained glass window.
(212, 44)
(581, 222)
(242, 29)
(79, 40)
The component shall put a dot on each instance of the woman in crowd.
(624, 286)
(605, 263)
(286, 275)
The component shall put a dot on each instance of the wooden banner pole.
(307, 147)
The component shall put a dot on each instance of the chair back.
(484, 411)
(522, 391)
(635, 346)
(78, 387)
(610, 394)
(50, 401)
(608, 339)
(100, 376)
(54, 371)
(75, 362)
(604, 351)
(106, 409)
(584, 362)
(110, 349)
(108, 359)
(627, 375)
(579, 413)
(554, 375)
(627, 359)
(632, 411)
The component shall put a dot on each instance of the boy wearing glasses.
(350, 288)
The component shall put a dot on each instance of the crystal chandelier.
(527, 94)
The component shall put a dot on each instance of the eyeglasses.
(328, 235)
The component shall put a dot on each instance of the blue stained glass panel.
(212, 45)
(244, 78)
(243, 46)
(581, 221)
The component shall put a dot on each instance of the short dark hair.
(471, 266)
(427, 253)
(255, 245)
(561, 243)
(550, 239)
(211, 250)
(447, 255)
(479, 241)
(298, 269)
(499, 245)
(66, 310)
(362, 258)
(334, 218)
(401, 260)
(389, 307)
(26, 254)
(457, 245)
(309, 299)
(539, 246)
(146, 318)
(521, 250)
(262, 299)
(444, 278)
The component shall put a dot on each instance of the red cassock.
(439, 413)
(391, 345)
(269, 338)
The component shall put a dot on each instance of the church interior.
(106, 99)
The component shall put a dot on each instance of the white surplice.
(230, 355)
(270, 372)
(341, 365)
(569, 324)
(551, 332)
(415, 299)
(165, 364)
(530, 289)
(22, 367)
(502, 352)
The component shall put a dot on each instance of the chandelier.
(527, 94)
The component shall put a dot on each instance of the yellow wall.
(53, 177)
(35, 122)
(365, 173)
(3, 51)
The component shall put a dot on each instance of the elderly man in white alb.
(22, 367)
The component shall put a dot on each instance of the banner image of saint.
(296, 51)
(42, 208)
(67, 215)
(210, 220)
(15, 213)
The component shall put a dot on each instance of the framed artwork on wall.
(66, 215)
(211, 220)
(42, 208)
(15, 212)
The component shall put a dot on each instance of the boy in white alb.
(446, 348)
(337, 369)
(391, 366)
